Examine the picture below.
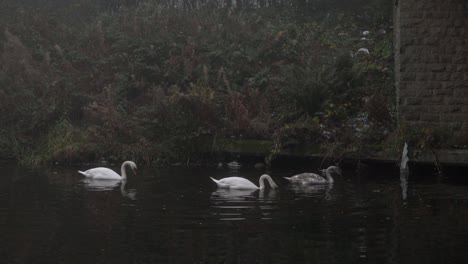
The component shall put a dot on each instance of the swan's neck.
(270, 181)
(261, 182)
(329, 177)
(122, 170)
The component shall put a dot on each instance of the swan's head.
(334, 170)
(133, 166)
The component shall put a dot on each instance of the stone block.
(460, 84)
(459, 59)
(432, 40)
(406, 6)
(462, 68)
(449, 8)
(447, 85)
(452, 68)
(455, 109)
(438, 109)
(413, 58)
(415, 109)
(414, 22)
(411, 117)
(434, 101)
(458, 22)
(403, 85)
(436, 31)
(408, 40)
(454, 126)
(446, 59)
(408, 93)
(427, 76)
(424, 93)
(460, 93)
(442, 76)
(435, 85)
(438, 67)
(453, 32)
(434, 16)
(456, 101)
(408, 76)
(430, 117)
(429, 124)
(440, 49)
(447, 92)
(457, 76)
(414, 67)
(461, 50)
(414, 101)
(465, 125)
(412, 15)
(456, 118)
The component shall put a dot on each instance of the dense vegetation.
(152, 81)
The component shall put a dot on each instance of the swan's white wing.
(236, 183)
(101, 173)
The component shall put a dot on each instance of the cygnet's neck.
(328, 174)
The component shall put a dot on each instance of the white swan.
(102, 173)
(308, 178)
(244, 184)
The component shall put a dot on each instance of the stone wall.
(431, 58)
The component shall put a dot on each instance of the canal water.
(177, 215)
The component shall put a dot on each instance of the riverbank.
(146, 82)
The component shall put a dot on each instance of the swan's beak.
(135, 171)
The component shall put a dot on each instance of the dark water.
(178, 216)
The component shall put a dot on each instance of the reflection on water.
(130, 193)
(312, 190)
(232, 194)
(232, 204)
(108, 185)
(100, 185)
(236, 194)
(178, 216)
(404, 174)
